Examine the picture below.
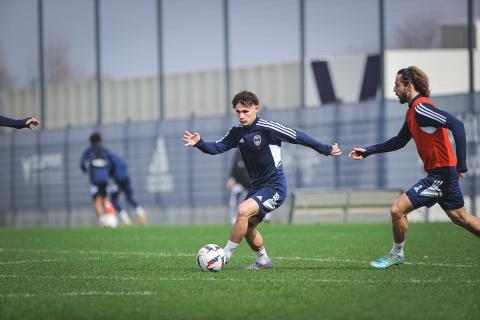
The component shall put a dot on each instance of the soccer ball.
(211, 257)
(108, 220)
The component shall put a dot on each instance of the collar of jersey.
(253, 123)
(413, 100)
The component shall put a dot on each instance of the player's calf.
(463, 219)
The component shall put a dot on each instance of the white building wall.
(347, 74)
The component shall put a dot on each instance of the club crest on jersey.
(257, 140)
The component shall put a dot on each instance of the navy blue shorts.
(99, 189)
(443, 190)
(268, 199)
(119, 186)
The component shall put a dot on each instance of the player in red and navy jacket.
(427, 125)
(259, 142)
(18, 124)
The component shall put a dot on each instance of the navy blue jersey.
(260, 146)
(119, 172)
(97, 161)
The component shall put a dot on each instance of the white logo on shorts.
(272, 203)
(93, 189)
(434, 190)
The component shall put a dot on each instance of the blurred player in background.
(20, 123)
(238, 184)
(97, 161)
(427, 125)
(122, 184)
(259, 142)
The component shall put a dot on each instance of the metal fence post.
(471, 64)
(191, 172)
(66, 176)
(381, 171)
(98, 60)
(302, 52)
(161, 79)
(226, 49)
(13, 205)
(42, 210)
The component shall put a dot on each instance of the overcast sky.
(262, 31)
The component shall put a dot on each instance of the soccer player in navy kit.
(18, 124)
(427, 125)
(122, 184)
(259, 142)
(97, 161)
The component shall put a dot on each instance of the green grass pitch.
(320, 272)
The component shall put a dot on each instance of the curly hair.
(417, 77)
(245, 98)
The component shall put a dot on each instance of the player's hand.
(32, 122)
(191, 139)
(231, 183)
(462, 174)
(355, 154)
(335, 150)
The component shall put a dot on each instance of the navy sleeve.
(226, 143)
(428, 116)
(280, 133)
(83, 162)
(308, 141)
(13, 123)
(395, 143)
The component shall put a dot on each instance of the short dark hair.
(95, 138)
(417, 77)
(245, 98)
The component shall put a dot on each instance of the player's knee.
(243, 213)
(396, 212)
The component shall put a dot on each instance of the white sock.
(229, 248)
(397, 248)
(262, 257)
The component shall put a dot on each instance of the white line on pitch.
(80, 294)
(45, 260)
(158, 254)
(210, 278)
(358, 261)
(163, 254)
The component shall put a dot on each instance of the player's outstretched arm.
(18, 124)
(335, 150)
(191, 139)
(357, 153)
